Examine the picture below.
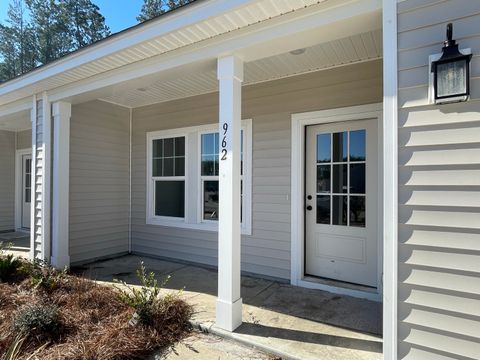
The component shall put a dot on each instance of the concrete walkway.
(290, 322)
(19, 241)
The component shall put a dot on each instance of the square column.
(229, 302)
(61, 184)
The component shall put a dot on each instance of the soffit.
(353, 49)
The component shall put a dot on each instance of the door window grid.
(28, 181)
(328, 191)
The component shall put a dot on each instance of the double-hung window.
(168, 177)
(209, 160)
(183, 177)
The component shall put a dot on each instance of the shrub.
(39, 320)
(146, 301)
(9, 266)
(46, 277)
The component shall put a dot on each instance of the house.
(292, 139)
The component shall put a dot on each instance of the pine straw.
(94, 320)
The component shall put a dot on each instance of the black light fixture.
(451, 73)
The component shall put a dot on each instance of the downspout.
(130, 188)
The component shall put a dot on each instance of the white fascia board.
(16, 106)
(335, 22)
(193, 13)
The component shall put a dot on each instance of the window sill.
(180, 224)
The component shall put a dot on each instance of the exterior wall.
(99, 180)
(24, 139)
(439, 182)
(38, 202)
(270, 105)
(7, 180)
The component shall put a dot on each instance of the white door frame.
(19, 154)
(299, 122)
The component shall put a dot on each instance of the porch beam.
(229, 302)
(60, 198)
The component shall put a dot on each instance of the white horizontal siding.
(439, 190)
(99, 180)
(7, 180)
(270, 105)
(24, 139)
(37, 194)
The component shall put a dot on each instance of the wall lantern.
(451, 73)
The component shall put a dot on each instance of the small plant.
(146, 300)
(46, 277)
(9, 266)
(39, 320)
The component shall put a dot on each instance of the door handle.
(309, 208)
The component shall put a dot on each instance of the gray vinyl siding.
(99, 180)
(439, 190)
(24, 139)
(37, 193)
(270, 105)
(7, 180)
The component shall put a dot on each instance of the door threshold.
(340, 287)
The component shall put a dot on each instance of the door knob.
(309, 208)
(309, 197)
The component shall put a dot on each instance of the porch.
(291, 322)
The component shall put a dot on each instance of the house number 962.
(224, 142)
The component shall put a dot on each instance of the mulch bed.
(94, 322)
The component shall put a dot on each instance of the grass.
(58, 315)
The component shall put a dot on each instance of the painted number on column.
(224, 142)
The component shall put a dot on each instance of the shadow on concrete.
(310, 337)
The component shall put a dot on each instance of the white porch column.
(61, 171)
(229, 302)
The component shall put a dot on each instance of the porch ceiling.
(357, 48)
(199, 21)
(16, 122)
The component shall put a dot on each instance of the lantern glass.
(452, 78)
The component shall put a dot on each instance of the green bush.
(146, 301)
(39, 320)
(9, 266)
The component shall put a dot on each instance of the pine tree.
(87, 24)
(153, 8)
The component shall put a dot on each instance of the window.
(341, 192)
(183, 177)
(209, 158)
(168, 175)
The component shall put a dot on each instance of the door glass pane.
(357, 211)
(170, 198)
(208, 165)
(339, 214)
(339, 178)
(357, 145)
(323, 178)
(210, 200)
(323, 209)
(323, 148)
(27, 195)
(340, 145)
(357, 178)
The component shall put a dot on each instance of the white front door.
(341, 202)
(26, 190)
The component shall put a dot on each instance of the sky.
(119, 14)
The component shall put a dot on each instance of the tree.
(87, 24)
(16, 42)
(37, 32)
(153, 8)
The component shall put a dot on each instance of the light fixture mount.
(451, 72)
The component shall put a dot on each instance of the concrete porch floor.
(291, 322)
(20, 242)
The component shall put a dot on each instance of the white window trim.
(193, 164)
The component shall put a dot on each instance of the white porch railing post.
(61, 170)
(229, 302)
